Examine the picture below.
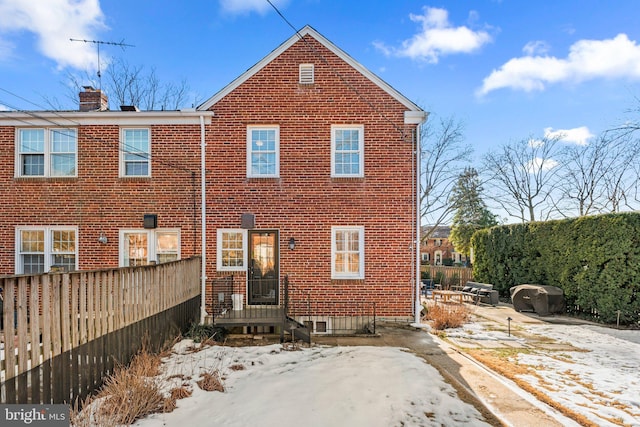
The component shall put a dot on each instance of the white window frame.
(152, 243)
(124, 150)
(359, 151)
(220, 249)
(341, 274)
(48, 246)
(47, 153)
(250, 130)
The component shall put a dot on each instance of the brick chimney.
(93, 100)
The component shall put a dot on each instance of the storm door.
(263, 277)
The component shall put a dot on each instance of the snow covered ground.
(384, 386)
(599, 380)
(318, 386)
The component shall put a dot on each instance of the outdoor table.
(447, 295)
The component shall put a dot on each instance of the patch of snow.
(317, 386)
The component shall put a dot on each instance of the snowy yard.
(591, 370)
(599, 379)
(318, 386)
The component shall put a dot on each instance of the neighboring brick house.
(307, 148)
(437, 249)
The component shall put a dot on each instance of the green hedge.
(595, 260)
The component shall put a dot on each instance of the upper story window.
(42, 249)
(306, 76)
(347, 252)
(135, 154)
(232, 250)
(347, 151)
(263, 151)
(47, 152)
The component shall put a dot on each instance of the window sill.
(45, 178)
(134, 178)
(347, 178)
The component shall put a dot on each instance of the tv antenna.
(122, 44)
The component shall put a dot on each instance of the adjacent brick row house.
(437, 249)
(303, 167)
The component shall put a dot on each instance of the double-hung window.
(347, 151)
(47, 152)
(263, 151)
(347, 252)
(135, 153)
(143, 247)
(42, 249)
(232, 250)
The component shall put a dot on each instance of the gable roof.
(307, 30)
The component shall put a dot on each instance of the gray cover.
(541, 299)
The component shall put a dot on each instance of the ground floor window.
(347, 252)
(44, 249)
(143, 247)
(232, 250)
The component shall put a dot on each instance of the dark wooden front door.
(263, 268)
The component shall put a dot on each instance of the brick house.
(437, 249)
(309, 175)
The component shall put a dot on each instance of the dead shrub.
(128, 396)
(180, 392)
(237, 367)
(169, 405)
(444, 316)
(211, 381)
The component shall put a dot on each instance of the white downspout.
(417, 243)
(203, 232)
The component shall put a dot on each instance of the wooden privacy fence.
(449, 277)
(63, 332)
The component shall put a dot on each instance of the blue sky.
(509, 70)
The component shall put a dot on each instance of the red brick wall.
(305, 201)
(98, 201)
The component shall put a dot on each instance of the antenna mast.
(98, 43)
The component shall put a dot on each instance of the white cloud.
(541, 164)
(618, 57)
(536, 143)
(4, 108)
(54, 22)
(437, 37)
(238, 7)
(578, 136)
(537, 47)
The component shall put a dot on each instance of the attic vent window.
(306, 74)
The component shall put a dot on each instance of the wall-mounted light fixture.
(103, 239)
(292, 243)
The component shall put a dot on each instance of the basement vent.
(306, 74)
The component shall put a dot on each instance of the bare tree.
(523, 174)
(130, 85)
(621, 179)
(443, 158)
(600, 177)
(126, 84)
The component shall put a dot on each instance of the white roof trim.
(81, 118)
(307, 30)
(415, 117)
